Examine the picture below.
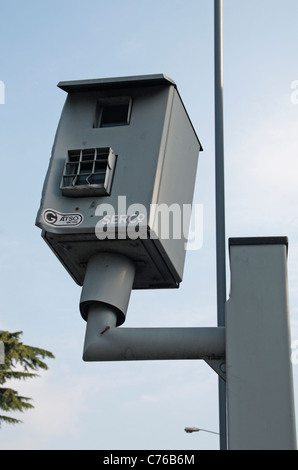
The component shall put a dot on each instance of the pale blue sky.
(140, 405)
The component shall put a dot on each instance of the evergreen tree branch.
(18, 356)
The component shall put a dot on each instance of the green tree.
(20, 362)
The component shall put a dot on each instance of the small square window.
(112, 112)
(88, 172)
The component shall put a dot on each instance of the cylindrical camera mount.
(108, 281)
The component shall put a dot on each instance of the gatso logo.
(58, 219)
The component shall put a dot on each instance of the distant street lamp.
(190, 430)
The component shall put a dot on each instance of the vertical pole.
(260, 395)
(220, 201)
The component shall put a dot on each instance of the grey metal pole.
(105, 342)
(220, 200)
(260, 392)
(206, 430)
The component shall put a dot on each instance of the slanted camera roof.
(117, 82)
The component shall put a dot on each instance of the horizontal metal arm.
(139, 344)
(107, 287)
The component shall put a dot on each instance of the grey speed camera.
(123, 165)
